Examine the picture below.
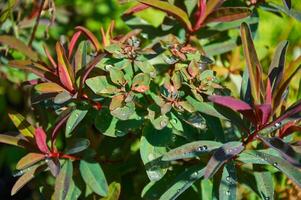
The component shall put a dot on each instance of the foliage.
(157, 91)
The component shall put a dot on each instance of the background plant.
(157, 94)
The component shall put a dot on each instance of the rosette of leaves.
(227, 161)
(42, 157)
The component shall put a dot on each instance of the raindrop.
(277, 124)
(228, 193)
(266, 198)
(275, 164)
(163, 123)
(205, 147)
(228, 178)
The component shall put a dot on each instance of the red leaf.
(199, 15)
(73, 42)
(135, 9)
(64, 68)
(230, 102)
(268, 95)
(289, 128)
(264, 112)
(50, 58)
(90, 36)
(40, 137)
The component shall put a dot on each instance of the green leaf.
(192, 149)
(100, 85)
(73, 192)
(204, 107)
(13, 140)
(292, 172)
(153, 145)
(63, 181)
(227, 188)
(75, 118)
(117, 76)
(125, 112)
(94, 177)
(265, 186)
(25, 128)
(77, 145)
(114, 191)
(17, 44)
(183, 182)
(171, 9)
(141, 83)
(253, 64)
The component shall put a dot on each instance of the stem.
(36, 24)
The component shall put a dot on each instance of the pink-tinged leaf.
(49, 88)
(170, 9)
(221, 156)
(264, 111)
(200, 13)
(90, 36)
(228, 14)
(136, 9)
(268, 93)
(288, 129)
(234, 104)
(41, 137)
(253, 64)
(17, 44)
(50, 58)
(33, 68)
(54, 166)
(284, 149)
(73, 42)
(65, 70)
(24, 179)
(230, 102)
(29, 160)
(62, 120)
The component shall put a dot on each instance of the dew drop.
(205, 147)
(277, 124)
(163, 123)
(228, 178)
(228, 193)
(266, 198)
(275, 164)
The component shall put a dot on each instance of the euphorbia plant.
(162, 100)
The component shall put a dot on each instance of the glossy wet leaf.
(17, 44)
(291, 172)
(228, 185)
(62, 97)
(191, 150)
(221, 156)
(24, 179)
(75, 118)
(265, 186)
(63, 181)
(183, 182)
(125, 112)
(284, 149)
(94, 177)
